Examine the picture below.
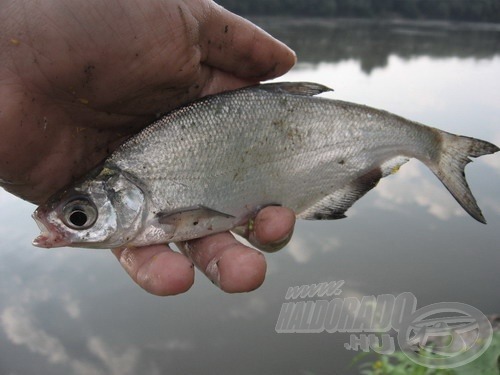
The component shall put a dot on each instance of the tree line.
(454, 10)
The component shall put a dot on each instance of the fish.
(211, 165)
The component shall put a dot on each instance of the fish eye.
(79, 214)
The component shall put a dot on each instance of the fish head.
(104, 210)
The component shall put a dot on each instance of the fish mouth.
(50, 235)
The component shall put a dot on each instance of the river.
(74, 311)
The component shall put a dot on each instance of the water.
(71, 311)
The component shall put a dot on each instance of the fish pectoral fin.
(295, 88)
(335, 205)
(194, 222)
(192, 215)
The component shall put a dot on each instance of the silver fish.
(211, 165)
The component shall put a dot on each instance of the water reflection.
(372, 43)
(413, 186)
(71, 311)
(22, 328)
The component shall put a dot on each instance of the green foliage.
(460, 10)
(399, 364)
(487, 363)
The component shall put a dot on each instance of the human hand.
(78, 78)
(229, 264)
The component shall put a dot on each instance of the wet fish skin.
(209, 166)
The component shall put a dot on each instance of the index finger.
(233, 44)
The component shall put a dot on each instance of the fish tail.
(455, 154)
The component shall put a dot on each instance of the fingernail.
(127, 259)
(185, 248)
(212, 271)
(270, 247)
(246, 229)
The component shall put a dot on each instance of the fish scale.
(208, 148)
(211, 165)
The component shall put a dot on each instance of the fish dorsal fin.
(295, 88)
(336, 204)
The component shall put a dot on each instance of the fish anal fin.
(335, 205)
(295, 88)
